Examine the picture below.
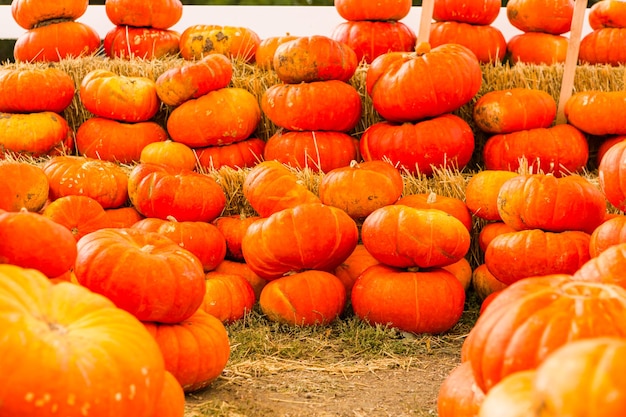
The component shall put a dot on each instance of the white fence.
(266, 21)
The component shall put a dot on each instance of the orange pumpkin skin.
(314, 58)
(196, 350)
(162, 191)
(555, 18)
(607, 14)
(107, 139)
(406, 237)
(234, 228)
(29, 14)
(406, 300)
(168, 152)
(22, 186)
(74, 338)
(171, 402)
(481, 192)
(373, 10)
(513, 256)
(609, 233)
(200, 238)
(320, 151)
(123, 217)
(533, 317)
(491, 230)
(398, 93)
(241, 268)
(79, 213)
(270, 187)
(228, 297)
(56, 41)
(420, 147)
(237, 43)
(606, 267)
(537, 48)
(301, 107)
(451, 205)
(194, 79)
(603, 46)
(587, 111)
(244, 154)
(144, 273)
(560, 150)
(484, 283)
(360, 188)
(475, 12)
(119, 97)
(220, 117)
(550, 203)
(485, 41)
(33, 134)
(371, 38)
(307, 236)
(593, 366)
(31, 240)
(104, 181)
(128, 42)
(512, 109)
(462, 270)
(305, 298)
(512, 396)
(160, 14)
(458, 394)
(610, 176)
(264, 57)
(349, 271)
(605, 145)
(32, 90)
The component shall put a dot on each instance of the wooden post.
(571, 59)
(426, 18)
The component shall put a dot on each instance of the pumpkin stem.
(422, 48)
(432, 198)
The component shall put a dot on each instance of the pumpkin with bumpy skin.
(145, 273)
(402, 87)
(373, 10)
(406, 237)
(236, 42)
(532, 318)
(75, 339)
(36, 89)
(160, 14)
(361, 188)
(305, 298)
(22, 186)
(307, 236)
(30, 13)
(162, 191)
(314, 58)
(424, 301)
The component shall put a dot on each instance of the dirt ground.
(401, 386)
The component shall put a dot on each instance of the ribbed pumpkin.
(78, 213)
(163, 191)
(406, 237)
(320, 151)
(264, 57)
(420, 147)
(128, 42)
(33, 134)
(481, 192)
(561, 150)
(607, 14)
(532, 318)
(220, 117)
(233, 228)
(486, 41)
(373, 10)
(196, 349)
(591, 112)
(403, 86)
(170, 153)
(35, 89)
(307, 236)
(610, 177)
(29, 14)
(161, 14)
(513, 256)
(538, 48)
(321, 105)
(88, 353)
(244, 154)
(430, 200)
(314, 58)
(609, 233)
(236, 42)
(426, 301)
(23, 185)
(606, 267)
(305, 298)
(458, 394)
(550, 203)
(228, 297)
(475, 12)
(144, 273)
(513, 109)
(603, 47)
(555, 17)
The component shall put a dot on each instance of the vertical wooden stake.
(426, 18)
(571, 59)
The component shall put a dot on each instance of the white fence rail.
(266, 21)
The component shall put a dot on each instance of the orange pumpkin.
(349, 271)
(452, 205)
(481, 192)
(368, 10)
(171, 402)
(241, 268)
(36, 89)
(244, 154)
(607, 14)
(234, 228)
(236, 42)
(23, 185)
(486, 41)
(127, 42)
(228, 297)
(609, 233)
(538, 48)
(555, 17)
(161, 14)
(79, 213)
(29, 14)
(33, 134)
(168, 152)
(458, 394)
(264, 57)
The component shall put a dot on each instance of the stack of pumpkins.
(142, 28)
(605, 44)
(314, 106)
(542, 40)
(420, 133)
(52, 30)
(374, 28)
(469, 24)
